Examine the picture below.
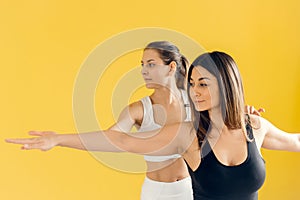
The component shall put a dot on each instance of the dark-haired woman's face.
(204, 89)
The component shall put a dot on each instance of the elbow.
(298, 142)
(295, 143)
(125, 143)
(131, 144)
(121, 141)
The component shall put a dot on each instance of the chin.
(153, 85)
(200, 109)
(150, 86)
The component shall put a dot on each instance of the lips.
(199, 101)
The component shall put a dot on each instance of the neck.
(217, 119)
(167, 95)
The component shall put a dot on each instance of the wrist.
(58, 140)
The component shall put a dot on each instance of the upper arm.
(129, 116)
(168, 140)
(187, 140)
(192, 155)
(277, 139)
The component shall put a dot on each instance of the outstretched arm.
(277, 139)
(170, 139)
(46, 140)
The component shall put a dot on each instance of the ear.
(173, 67)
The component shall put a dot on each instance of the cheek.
(155, 72)
(206, 94)
(191, 92)
(215, 97)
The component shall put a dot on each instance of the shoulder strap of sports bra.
(186, 105)
(148, 110)
(249, 126)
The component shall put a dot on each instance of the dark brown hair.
(223, 67)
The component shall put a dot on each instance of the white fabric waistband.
(155, 190)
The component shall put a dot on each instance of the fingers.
(249, 109)
(261, 110)
(21, 140)
(41, 133)
(39, 145)
(41, 142)
(28, 144)
(257, 112)
(29, 140)
(252, 110)
(35, 133)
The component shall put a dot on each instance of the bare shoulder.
(255, 121)
(130, 115)
(189, 128)
(136, 111)
(136, 106)
(181, 130)
(184, 127)
(259, 128)
(185, 132)
(259, 123)
(187, 141)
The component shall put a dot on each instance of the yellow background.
(44, 43)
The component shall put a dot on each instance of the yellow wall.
(44, 43)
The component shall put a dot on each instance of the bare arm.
(277, 139)
(192, 155)
(170, 139)
(46, 140)
(129, 116)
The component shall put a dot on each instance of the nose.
(195, 91)
(144, 71)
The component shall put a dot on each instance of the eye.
(191, 84)
(151, 65)
(202, 84)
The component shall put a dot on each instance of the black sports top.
(214, 181)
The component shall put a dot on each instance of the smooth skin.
(166, 99)
(204, 92)
(178, 137)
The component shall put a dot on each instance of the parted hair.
(224, 68)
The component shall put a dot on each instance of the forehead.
(200, 72)
(150, 54)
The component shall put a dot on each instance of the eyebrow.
(148, 60)
(200, 79)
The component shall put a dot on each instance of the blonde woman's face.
(154, 71)
(204, 89)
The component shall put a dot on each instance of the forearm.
(106, 141)
(159, 142)
(93, 141)
(297, 142)
(69, 140)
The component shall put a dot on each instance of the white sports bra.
(149, 124)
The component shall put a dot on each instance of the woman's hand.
(45, 141)
(252, 110)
